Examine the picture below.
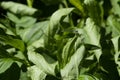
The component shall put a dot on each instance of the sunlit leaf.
(116, 43)
(94, 11)
(23, 22)
(55, 23)
(67, 50)
(24, 76)
(18, 8)
(56, 17)
(35, 32)
(12, 17)
(92, 36)
(5, 63)
(78, 43)
(35, 73)
(116, 6)
(71, 71)
(79, 6)
(114, 23)
(13, 42)
(87, 77)
(47, 66)
(27, 28)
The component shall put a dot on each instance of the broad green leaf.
(12, 17)
(26, 22)
(116, 43)
(36, 45)
(114, 23)
(116, 6)
(98, 53)
(35, 73)
(87, 77)
(24, 76)
(19, 55)
(18, 8)
(68, 50)
(23, 22)
(92, 36)
(56, 17)
(17, 43)
(92, 32)
(55, 23)
(27, 28)
(44, 63)
(94, 10)
(5, 63)
(34, 33)
(71, 71)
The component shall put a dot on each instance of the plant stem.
(79, 6)
(30, 3)
(21, 60)
(65, 3)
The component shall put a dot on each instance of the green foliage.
(7, 40)
(18, 8)
(87, 77)
(5, 64)
(77, 40)
(44, 62)
(116, 6)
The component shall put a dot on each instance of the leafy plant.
(79, 41)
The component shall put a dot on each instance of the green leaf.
(94, 10)
(11, 73)
(5, 63)
(116, 7)
(34, 33)
(18, 8)
(24, 76)
(12, 17)
(92, 36)
(92, 33)
(12, 42)
(87, 77)
(23, 22)
(46, 64)
(35, 73)
(67, 50)
(116, 43)
(27, 28)
(38, 32)
(114, 23)
(70, 71)
(54, 24)
(78, 5)
(56, 17)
